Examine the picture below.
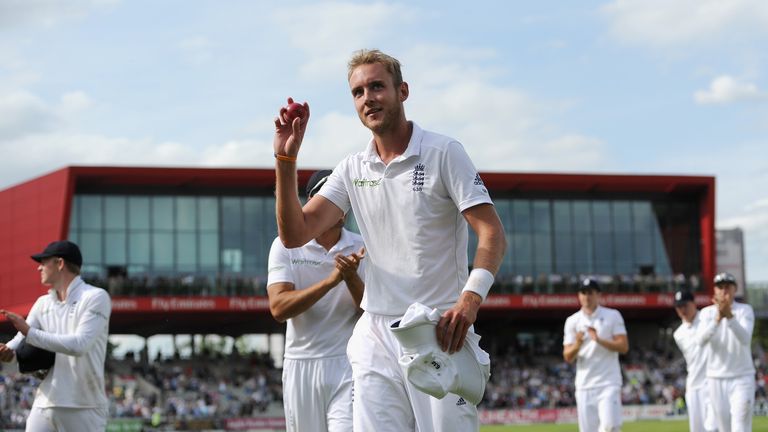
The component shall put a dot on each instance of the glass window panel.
(541, 216)
(584, 252)
(521, 215)
(522, 247)
(601, 216)
(231, 213)
(91, 212)
(90, 245)
(504, 209)
(564, 253)
(115, 212)
(115, 252)
(209, 251)
(582, 217)
(138, 248)
(74, 215)
(543, 253)
(186, 213)
(162, 251)
(270, 224)
(604, 253)
(138, 213)
(208, 208)
(622, 216)
(74, 237)
(162, 213)
(643, 222)
(186, 248)
(562, 216)
(624, 253)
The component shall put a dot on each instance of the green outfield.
(758, 424)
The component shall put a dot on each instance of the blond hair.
(366, 56)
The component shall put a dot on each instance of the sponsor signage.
(500, 301)
(567, 415)
(254, 423)
(571, 301)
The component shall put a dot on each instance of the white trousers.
(317, 395)
(599, 409)
(700, 415)
(384, 400)
(733, 400)
(67, 420)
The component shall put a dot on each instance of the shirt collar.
(414, 147)
(344, 241)
(73, 287)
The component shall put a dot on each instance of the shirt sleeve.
(569, 332)
(743, 325)
(335, 189)
(461, 179)
(280, 268)
(33, 321)
(93, 322)
(706, 328)
(618, 326)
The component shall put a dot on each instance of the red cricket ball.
(294, 110)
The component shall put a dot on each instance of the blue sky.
(622, 86)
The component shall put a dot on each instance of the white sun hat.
(430, 369)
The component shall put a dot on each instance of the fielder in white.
(413, 192)
(72, 320)
(594, 336)
(725, 332)
(317, 289)
(700, 416)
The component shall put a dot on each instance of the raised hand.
(6, 354)
(17, 320)
(348, 265)
(289, 132)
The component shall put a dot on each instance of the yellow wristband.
(285, 158)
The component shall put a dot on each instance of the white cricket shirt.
(695, 355)
(324, 329)
(76, 330)
(596, 366)
(409, 213)
(727, 343)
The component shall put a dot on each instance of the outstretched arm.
(285, 301)
(491, 243)
(296, 226)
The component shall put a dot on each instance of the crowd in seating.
(218, 387)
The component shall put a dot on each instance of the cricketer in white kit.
(72, 320)
(700, 415)
(725, 332)
(317, 289)
(594, 336)
(413, 194)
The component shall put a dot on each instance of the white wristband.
(479, 282)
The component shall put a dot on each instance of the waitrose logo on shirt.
(305, 262)
(365, 182)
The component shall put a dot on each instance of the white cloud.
(18, 13)
(22, 112)
(683, 22)
(197, 50)
(329, 32)
(727, 89)
(73, 102)
(502, 127)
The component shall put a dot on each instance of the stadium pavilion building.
(184, 250)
